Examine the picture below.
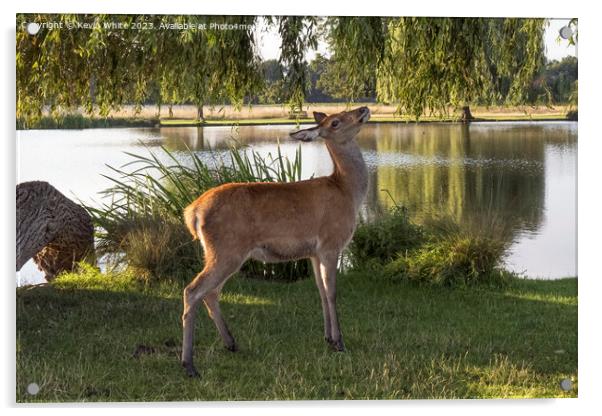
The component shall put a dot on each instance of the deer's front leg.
(315, 262)
(328, 269)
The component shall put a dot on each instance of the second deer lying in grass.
(276, 222)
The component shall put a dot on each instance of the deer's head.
(339, 128)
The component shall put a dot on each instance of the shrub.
(381, 240)
(452, 261)
(283, 272)
(438, 251)
(477, 225)
(154, 248)
(572, 115)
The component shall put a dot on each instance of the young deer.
(276, 222)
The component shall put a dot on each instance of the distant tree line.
(324, 85)
(555, 83)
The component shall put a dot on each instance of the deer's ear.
(306, 135)
(319, 116)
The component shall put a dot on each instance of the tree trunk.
(52, 229)
(199, 113)
(466, 115)
(93, 90)
(170, 111)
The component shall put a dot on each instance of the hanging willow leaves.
(215, 65)
(422, 65)
(425, 65)
(87, 65)
(299, 34)
(357, 44)
(100, 67)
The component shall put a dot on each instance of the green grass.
(80, 121)
(76, 339)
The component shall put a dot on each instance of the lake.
(524, 174)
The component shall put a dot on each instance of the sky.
(270, 42)
(555, 50)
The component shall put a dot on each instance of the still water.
(522, 173)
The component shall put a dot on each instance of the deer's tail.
(190, 218)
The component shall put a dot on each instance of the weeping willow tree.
(85, 63)
(427, 65)
(211, 66)
(422, 65)
(299, 34)
(357, 44)
(91, 63)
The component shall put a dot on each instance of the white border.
(589, 222)
(507, 8)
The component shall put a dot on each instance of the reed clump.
(139, 223)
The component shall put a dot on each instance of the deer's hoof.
(338, 345)
(232, 348)
(190, 370)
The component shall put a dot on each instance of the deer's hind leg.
(211, 302)
(206, 287)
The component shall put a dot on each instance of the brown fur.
(299, 214)
(275, 222)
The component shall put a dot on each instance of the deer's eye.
(335, 124)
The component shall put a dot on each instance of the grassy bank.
(185, 115)
(80, 121)
(77, 339)
(377, 120)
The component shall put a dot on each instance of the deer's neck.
(349, 169)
